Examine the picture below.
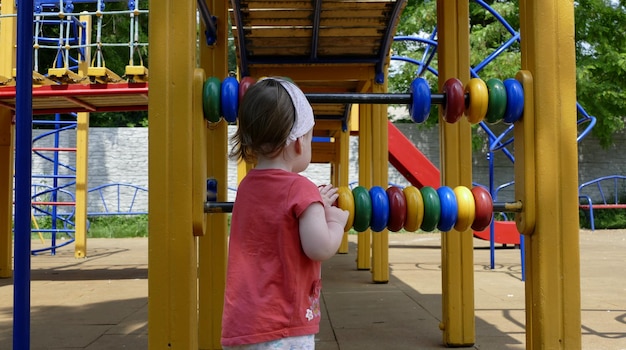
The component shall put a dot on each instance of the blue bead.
(449, 208)
(514, 101)
(380, 208)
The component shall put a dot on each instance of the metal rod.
(369, 98)
(218, 207)
(508, 207)
(227, 207)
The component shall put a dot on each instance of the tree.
(487, 34)
(601, 64)
(600, 53)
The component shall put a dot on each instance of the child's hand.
(329, 194)
(336, 214)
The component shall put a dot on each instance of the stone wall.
(120, 155)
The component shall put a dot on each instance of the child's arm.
(321, 230)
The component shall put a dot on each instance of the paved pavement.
(101, 302)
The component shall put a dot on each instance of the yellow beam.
(340, 172)
(380, 171)
(364, 239)
(7, 134)
(82, 151)
(457, 259)
(82, 162)
(6, 192)
(172, 273)
(553, 318)
(213, 246)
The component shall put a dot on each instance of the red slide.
(505, 232)
(420, 172)
(409, 161)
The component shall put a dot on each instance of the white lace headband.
(304, 113)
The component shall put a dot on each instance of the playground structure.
(66, 35)
(326, 66)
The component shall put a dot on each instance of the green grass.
(604, 219)
(118, 226)
(114, 226)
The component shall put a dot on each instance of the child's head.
(274, 112)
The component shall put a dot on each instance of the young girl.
(282, 225)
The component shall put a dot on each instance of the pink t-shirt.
(272, 287)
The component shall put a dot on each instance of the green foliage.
(118, 226)
(487, 35)
(604, 219)
(601, 64)
(600, 52)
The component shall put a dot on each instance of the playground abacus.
(410, 208)
(493, 101)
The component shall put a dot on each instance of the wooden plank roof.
(313, 32)
(323, 45)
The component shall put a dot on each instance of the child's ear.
(298, 145)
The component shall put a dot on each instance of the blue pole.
(23, 149)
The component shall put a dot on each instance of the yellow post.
(458, 323)
(553, 318)
(380, 170)
(341, 173)
(82, 151)
(7, 132)
(213, 246)
(82, 162)
(364, 239)
(172, 273)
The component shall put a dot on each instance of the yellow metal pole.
(82, 151)
(7, 134)
(172, 273)
(458, 322)
(364, 239)
(341, 173)
(82, 155)
(213, 246)
(6, 192)
(380, 167)
(553, 318)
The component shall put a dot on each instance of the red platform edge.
(83, 97)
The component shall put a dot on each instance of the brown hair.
(266, 117)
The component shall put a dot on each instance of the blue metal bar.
(586, 117)
(497, 16)
(70, 241)
(429, 41)
(430, 55)
(416, 62)
(495, 54)
(23, 167)
(55, 181)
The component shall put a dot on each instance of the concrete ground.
(101, 302)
